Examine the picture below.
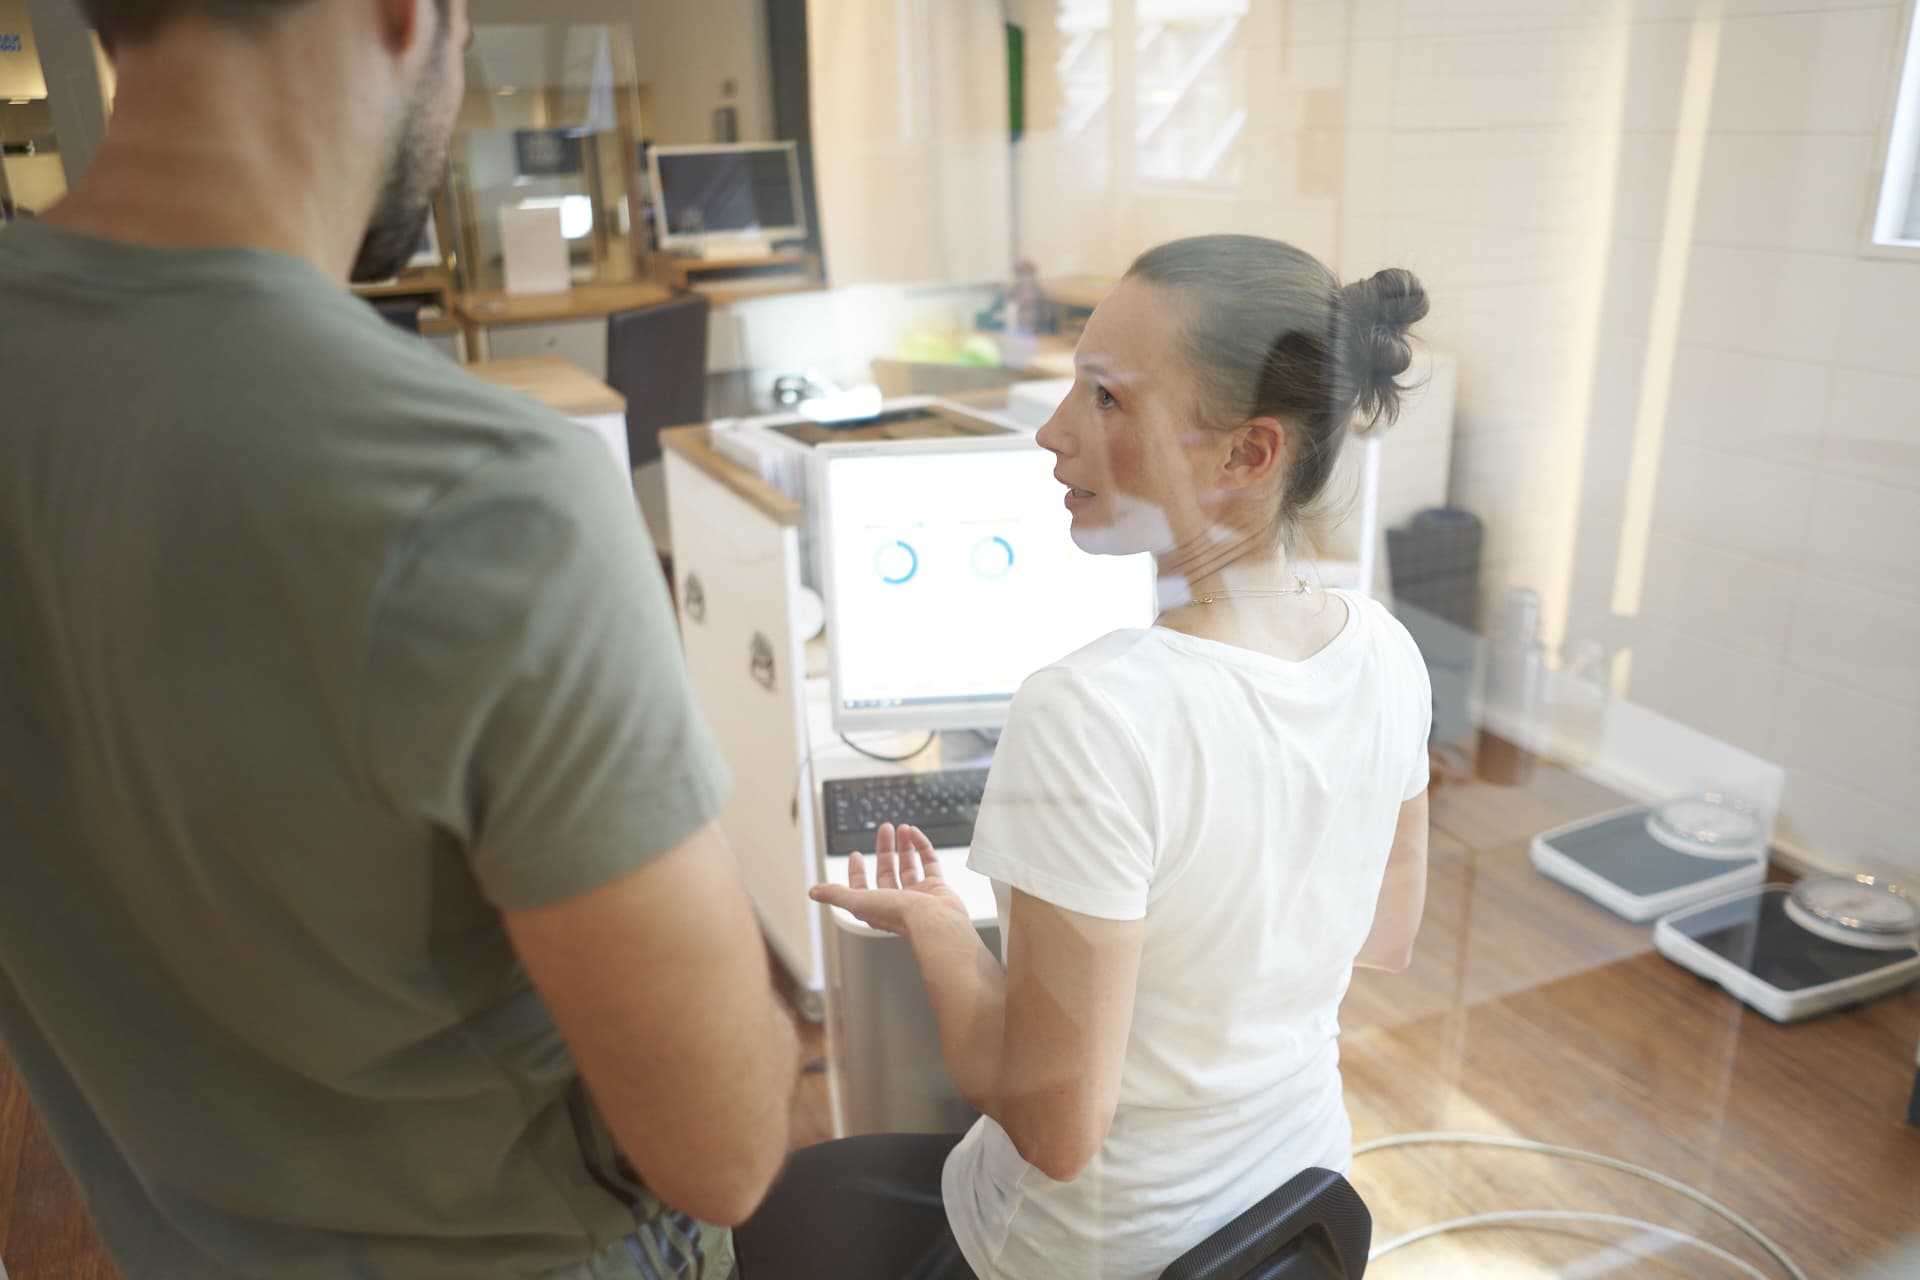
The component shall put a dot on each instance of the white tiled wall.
(1515, 141)
(1529, 158)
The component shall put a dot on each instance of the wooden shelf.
(729, 280)
(433, 287)
(489, 307)
(702, 266)
(554, 381)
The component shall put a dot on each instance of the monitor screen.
(951, 578)
(704, 191)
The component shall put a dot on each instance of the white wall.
(910, 139)
(685, 53)
(20, 73)
(1686, 396)
(1689, 406)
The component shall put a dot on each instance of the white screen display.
(953, 578)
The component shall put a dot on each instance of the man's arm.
(1403, 894)
(658, 980)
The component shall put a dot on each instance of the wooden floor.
(1531, 1013)
(1527, 1013)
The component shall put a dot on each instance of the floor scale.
(1641, 863)
(1793, 953)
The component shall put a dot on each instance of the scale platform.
(1614, 860)
(1750, 944)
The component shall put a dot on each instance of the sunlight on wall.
(1588, 301)
(1663, 325)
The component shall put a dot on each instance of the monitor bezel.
(670, 239)
(988, 713)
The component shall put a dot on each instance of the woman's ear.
(1259, 447)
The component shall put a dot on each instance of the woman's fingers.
(872, 907)
(884, 854)
(923, 850)
(856, 871)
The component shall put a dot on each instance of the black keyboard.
(942, 804)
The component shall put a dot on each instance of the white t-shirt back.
(1244, 806)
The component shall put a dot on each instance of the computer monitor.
(950, 577)
(734, 191)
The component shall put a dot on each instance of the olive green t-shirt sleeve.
(524, 687)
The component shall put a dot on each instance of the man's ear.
(401, 23)
(1259, 447)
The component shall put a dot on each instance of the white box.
(533, 251)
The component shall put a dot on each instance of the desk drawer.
(584, 342)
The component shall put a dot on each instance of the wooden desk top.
(489, 307)
(732, 291)
(433, 287)
(694, 443)
(554, 381)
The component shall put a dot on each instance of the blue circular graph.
(993, 557)
(896, 562)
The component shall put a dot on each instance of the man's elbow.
(725, 1199)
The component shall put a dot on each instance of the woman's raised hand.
(906, 883)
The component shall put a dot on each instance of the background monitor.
(748, 190)
(950, 578)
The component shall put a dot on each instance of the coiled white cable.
(1564, 1215)
(1570, 1153)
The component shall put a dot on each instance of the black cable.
(875, 755)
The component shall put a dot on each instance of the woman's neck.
(1223, 560)
(1244, 590)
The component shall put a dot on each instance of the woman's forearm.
(968, 991)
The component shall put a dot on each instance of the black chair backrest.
(657, 359)
(1315, 1227)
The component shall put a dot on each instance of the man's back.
(315, 656)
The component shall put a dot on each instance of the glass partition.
(552, 120)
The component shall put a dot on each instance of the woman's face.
(1143, 472)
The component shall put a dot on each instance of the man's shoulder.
(368, 389)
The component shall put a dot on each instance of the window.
(1896, 220)
(1190, 105)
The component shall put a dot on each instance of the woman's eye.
(1102, 397)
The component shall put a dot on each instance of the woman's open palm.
(906, 882)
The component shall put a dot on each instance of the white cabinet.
(584, 342)
(736, 572)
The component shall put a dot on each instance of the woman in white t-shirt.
(1195, 830)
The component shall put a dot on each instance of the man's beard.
(406, 199)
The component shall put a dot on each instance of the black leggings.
(863, 1208)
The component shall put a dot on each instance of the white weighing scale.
(1641, 863)
(1826, 943)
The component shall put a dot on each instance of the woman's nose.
(1052, 435)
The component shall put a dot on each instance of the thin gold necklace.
(1300, 587)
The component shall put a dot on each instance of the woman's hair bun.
(1379, 311)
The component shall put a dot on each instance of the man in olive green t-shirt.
(351, 789)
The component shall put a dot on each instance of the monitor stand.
(966, 748)
(733, 249)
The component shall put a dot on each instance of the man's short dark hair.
(130, 22)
